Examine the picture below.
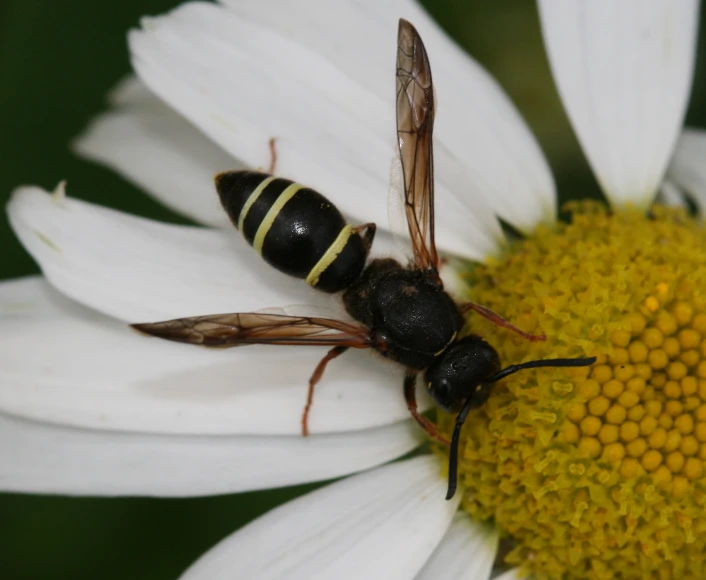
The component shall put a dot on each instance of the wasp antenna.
(549, 362)
(453, 452)
(470, 404)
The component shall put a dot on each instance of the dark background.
(57, 60)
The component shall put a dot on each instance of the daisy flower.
(592, 474)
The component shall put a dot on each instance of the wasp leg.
(315, 378)
(500, 321)
(369, 234)
(410, 380)
(273, 156)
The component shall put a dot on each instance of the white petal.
(670, 194)
(483, 147)
(130, 91)
(242, 83)
(158, 150)
(44, 458)
(64, 363)
(381, 524)
(624, 72)
(513, 574)
(688, 167)
(140, 270)
(466, 552)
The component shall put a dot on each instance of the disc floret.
(597, 473)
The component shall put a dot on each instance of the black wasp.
(401, 311)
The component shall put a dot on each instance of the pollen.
(597, 472)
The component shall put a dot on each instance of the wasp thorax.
(462, 371)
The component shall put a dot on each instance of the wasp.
(399, 310)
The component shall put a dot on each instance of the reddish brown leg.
(500, 321)
(315, 378)
(273, 156)
(369, 234)
(410, 380)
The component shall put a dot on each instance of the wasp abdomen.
(294, 228)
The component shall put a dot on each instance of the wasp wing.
(415, 123)
(237, 329)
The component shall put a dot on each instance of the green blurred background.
(57, 60)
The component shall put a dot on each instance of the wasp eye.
(443, 393)
(461, 372)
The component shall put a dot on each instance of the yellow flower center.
(597, 472)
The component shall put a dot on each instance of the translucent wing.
(415, 122)
(397, 214)
(226, 330)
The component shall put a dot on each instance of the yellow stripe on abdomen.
(331, 254)
(272, 213)
(251, 200)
